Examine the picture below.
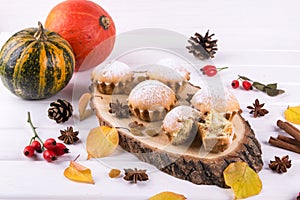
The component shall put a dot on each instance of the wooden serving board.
(189, 162)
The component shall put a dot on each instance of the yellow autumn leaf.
(242, 179)
(167, 196)
(82, 105)
(101, 141)
(292, 114)
(78, 173)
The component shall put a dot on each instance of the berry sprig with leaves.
(50, 148)
(270, 89)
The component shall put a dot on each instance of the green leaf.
(273, 92)
(280, 91)
(272, 86)
(259, 86)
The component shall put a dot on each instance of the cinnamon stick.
(289, 129)
(284, 145)
(288, 140)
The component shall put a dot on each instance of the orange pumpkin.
(87, 27)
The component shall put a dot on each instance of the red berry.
(60, 149)
(235, 84)
(247, 85)
(49, 155)
(37, 146)
(207, 67)
(28, 151)
(50, 143)
(211, 72)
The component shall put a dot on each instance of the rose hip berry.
(60, 149)
(235, 84)
(207, 67)
(49, 155)
(28, 151)
(211, 72)
(50, 143)
(37, 146)
(247, 85)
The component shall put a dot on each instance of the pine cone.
(60, 111)
(202, 47)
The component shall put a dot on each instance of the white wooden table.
(258, 39)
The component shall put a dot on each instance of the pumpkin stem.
(40, 34)
(104, 22)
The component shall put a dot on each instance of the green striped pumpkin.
(36, 63)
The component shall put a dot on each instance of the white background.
(259, 39)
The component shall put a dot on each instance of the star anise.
(135, 175)
(69, 136)
(280, 165)
(120, 110)
(257, 109)
(189, 97)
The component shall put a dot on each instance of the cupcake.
(179, 124)
(113, 78)
(216, 132)
(168, 62)
(168, 76)
(219, 99)
(150, 100)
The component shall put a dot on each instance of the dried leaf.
(280, 91)
(114, 173)
(101, 141)
(168, 196)
(243, 180)
(82, 104)
(272, 86)
(292, 114)
(151, 132)
(136, 132)
(78, 173)
(259, 86)
(136, 128)
(272, 92)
